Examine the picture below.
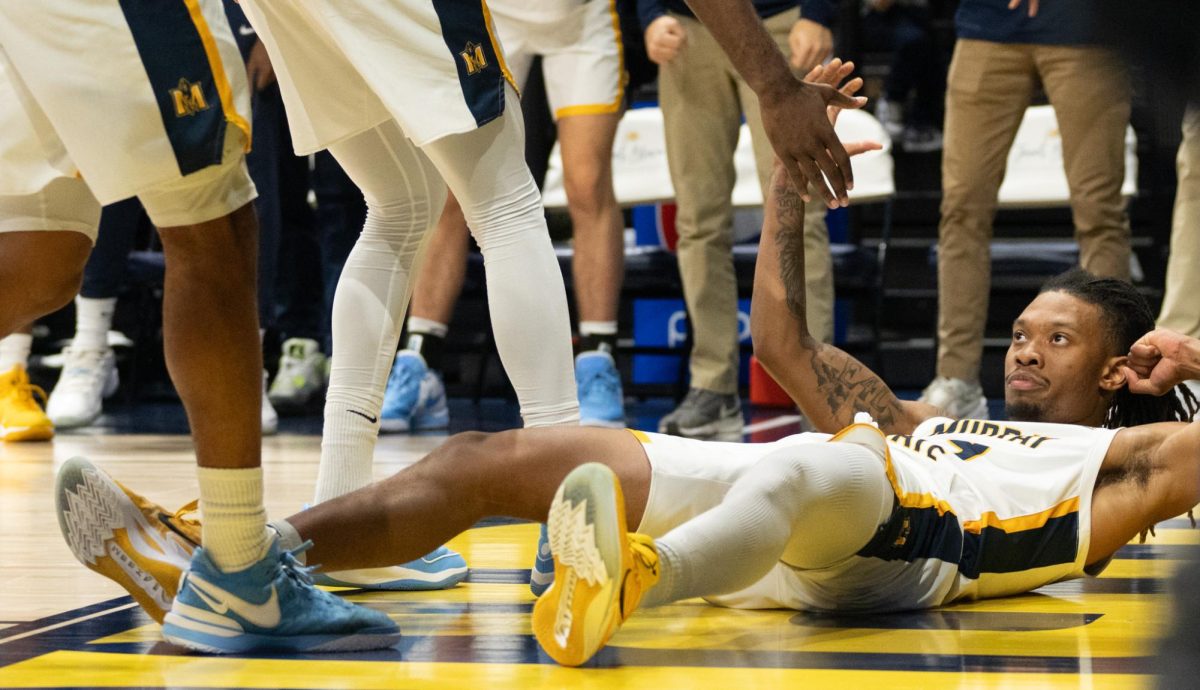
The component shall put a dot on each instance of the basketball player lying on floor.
(937, 511)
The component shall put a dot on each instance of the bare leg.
(40, 273)
(587, 142)
(210, 333)
(472, 476)
(438, 288)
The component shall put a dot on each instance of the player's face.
(1055, 361)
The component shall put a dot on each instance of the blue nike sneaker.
(541, 575)
(601, 400)
(441, 569)
(415, 398)
(270, 606)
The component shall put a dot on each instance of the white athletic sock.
(347, 449)
(782, 509)
(234, 520)
(93, 319)
(597, 328)
(416, 324)
(14, 350)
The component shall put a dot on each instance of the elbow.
(766, 351)
(776, 353)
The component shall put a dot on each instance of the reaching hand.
(1033, 6)
(665, 37)
(832, 74)
(1161, 360)
(810, 43)
(796, 121)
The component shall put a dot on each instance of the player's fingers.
(854, 148)
(1144, 352)
(844, 70)
(839, 157)
(823, 174)
(851, 87)
(799, 181)
(1137, 384)
(841, 100)
(814, 74)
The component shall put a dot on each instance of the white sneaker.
(88, 376)
(923, 139)
(270, 418)
(891, 115)
(956, 398)
(301, 377)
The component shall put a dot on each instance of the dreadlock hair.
(1127, 317)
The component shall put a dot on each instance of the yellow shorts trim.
(622, 78)
(218, 69)
(491, 30)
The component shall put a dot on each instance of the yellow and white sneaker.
(21, 417)
(601, 571)
(123, 536)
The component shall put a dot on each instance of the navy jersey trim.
(185, 87)
(912, 534)
(994, 550)
(917, 533)
(467, 35)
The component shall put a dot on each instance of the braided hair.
(1127, 317)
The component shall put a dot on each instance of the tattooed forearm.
(849, 387)
(789, 210)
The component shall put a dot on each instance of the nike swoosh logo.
(264, 615)
(364, 415)
(244, 30)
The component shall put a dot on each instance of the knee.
(55, 288)
(468, 450)
(466, 444)
(466, 456)
(589, 191)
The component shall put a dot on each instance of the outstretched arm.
(828, 384)
(793, 113)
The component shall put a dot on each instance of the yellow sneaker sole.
(109, 534)
(575, 618)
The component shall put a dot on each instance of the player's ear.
(1112, 376)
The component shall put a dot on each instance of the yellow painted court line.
(88, 669)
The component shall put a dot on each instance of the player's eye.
(1018, 336)
(1059, 339)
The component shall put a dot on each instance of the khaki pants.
(702, 99)
(1181, 303)
(989, 87)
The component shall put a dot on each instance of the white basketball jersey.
(984, 509)
(1004, 507)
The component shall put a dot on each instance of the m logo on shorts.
(188, 98)
(474, 58)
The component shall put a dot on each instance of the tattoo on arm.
(789, 209)
(849, 387)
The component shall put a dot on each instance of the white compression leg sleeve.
(404, 195)
(486, 170)
(810, 506)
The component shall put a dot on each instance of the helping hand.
(1159, 361)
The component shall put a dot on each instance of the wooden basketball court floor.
(63, 626)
